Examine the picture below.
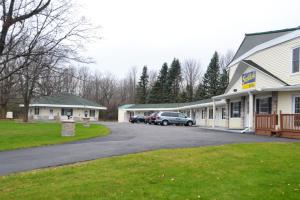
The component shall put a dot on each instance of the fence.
(266, 122)
(290, 122)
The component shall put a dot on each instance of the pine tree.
(157, 92)
(200, 92)
(224, 81)
(142, 88)
(211, 79)
(172, 89)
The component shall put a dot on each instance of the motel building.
(263, 95)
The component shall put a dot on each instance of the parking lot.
(125, 138)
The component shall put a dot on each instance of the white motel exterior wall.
(44, 114)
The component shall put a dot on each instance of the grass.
(14, 135)
(244, 171)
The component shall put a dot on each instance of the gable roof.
(241, 68)
(253, 64)
(65, 99)
(253, 40)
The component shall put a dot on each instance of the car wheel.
(190, 123)
(165, 123)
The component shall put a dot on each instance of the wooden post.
(281, 120)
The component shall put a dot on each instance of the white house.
(61, 106)
(264, 87)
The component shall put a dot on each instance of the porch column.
(251, 111)
(214, 113)
(227, 112)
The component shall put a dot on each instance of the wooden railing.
(290, 122)
(266, 122)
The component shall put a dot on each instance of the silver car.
(166, 118)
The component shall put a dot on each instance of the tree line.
(184, 82)
(40, 45)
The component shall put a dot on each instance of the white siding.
(262, 81)
(278, 61)
(232, 70)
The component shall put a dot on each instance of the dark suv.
(166, 118)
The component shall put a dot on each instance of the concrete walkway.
(124, 139)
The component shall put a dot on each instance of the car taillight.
(157, 117)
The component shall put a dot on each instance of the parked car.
(151, 118)
(137, 119)
(166, 118)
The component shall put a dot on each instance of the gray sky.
(150, 32)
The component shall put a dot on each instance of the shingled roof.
(65, 99)
(254, 39)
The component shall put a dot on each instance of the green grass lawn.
(244, 171)
(14, 135)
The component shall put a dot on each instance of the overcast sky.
(150, 32)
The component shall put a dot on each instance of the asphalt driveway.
(124, 139)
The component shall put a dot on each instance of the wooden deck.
(268, 125)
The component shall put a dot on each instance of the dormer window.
(296, 63)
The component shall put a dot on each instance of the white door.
(51, 115)
(246, 115)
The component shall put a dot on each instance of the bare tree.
(15, 14)
(191, 73)
(226, 59)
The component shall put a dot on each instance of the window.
(181, 115)
(36, 111)
(235, 111)
(203, 114)
(296, 63)
(264, 105)
(66, 112)
(174, 115)
(223, 113)
(211, 113)
(297, 104)
(92, 113)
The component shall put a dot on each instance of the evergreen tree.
(224, 81)
(172, 89)
(211, 79)
(200, 92)
(142, 88)
(157, 92)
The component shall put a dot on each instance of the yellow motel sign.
(249, 80)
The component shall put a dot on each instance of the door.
(246, 115)
(51, 115)
(181, 118)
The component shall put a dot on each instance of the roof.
(253, 64)
(165, 105)
(252, 40)
(64, 99)
(241, 68)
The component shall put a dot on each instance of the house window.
(36, 111)
(66, 112)
(223, 113)
(297, 104)
(92, 113)
(211, 113)
(296, 63)
(264, 105)
(203, 114)
(235, 111)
